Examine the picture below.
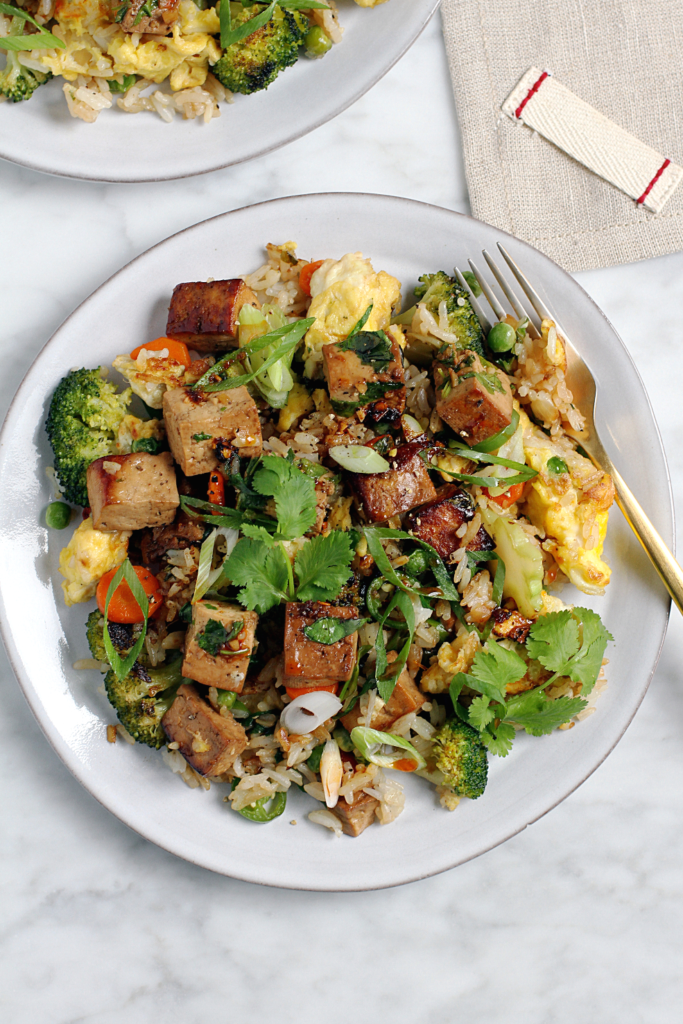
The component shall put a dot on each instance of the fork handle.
(664, 562)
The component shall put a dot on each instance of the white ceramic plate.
(407, 239)
(42, 135)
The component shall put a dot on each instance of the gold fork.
(581, 382)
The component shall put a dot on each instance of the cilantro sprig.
(266, 577)
(569, 644)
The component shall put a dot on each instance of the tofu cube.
(405, 698)
(439, 520)
(209, 741)
(227, 669)
(194, 421)
(130, 492)
(407, 484)
(473, 399)
(348, 377)
(356, 817)
(308, 662)
(204, 314)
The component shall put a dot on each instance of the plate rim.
(431, 9)
(64, 751)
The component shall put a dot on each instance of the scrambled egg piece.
(149, 377)
(299, 403)
(132, 429)
(155, 59)
(341, 291)
(95, 47)
(88, 555)
(452, 658)
(370, 3)
(571, 507)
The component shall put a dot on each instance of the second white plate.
(42, 135)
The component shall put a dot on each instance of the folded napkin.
(619, 56)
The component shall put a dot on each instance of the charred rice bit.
(327, 819)
(541, 384)
(419, 394)
(86, 97)
(174, 760)
(329, 21)
(390, 795)
(477, 597)
(277, 281)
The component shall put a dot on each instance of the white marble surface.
(576, 919)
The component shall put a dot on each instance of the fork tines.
(540, 310)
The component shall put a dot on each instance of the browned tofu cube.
(352, 380)
(158, 23)
(439, 520)
(405, 485)
(405, 698)
(209, 741)
(195, 421)
(130, 492)
(356, 817)
(204, 314)
(473, 399)
(309, 662)
(226, 669)
(510, 624)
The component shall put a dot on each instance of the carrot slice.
(177, 350)
(305, 275)
(123, 607)
(297, 691)
(508, 497)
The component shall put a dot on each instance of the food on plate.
(115, 51)
(322, 536)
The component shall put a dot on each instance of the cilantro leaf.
(261, 572)
(259, 533)
(588, 662)
(539, 715)
(322, 566)
(554, 640)
(494, 668)
(500, 741)
(293, 492)
(567, 650)
(480, 713)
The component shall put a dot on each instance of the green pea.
(502, 337)
(58, 515)
(418, 562)
(317, 42)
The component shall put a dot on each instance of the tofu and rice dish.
(322, 534)
(118, 52)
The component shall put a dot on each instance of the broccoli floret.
(462, 320)
(461, 758)
(253, 63)
(84, 417)
(17, 82)
(142, 698)
(95, 632)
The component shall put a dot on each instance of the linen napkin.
(621, 57)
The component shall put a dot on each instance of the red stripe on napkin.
(534, 89)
